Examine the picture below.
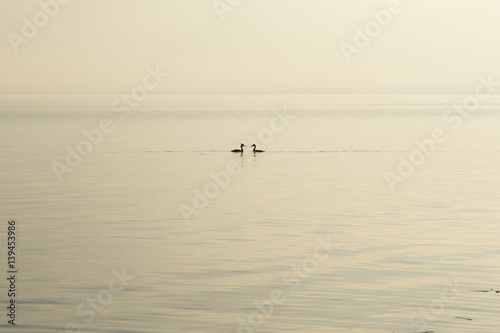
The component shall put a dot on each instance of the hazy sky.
(261, 46)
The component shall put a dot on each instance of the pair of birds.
(255, 150)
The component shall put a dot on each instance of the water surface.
(321, 179)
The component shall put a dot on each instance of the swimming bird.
(238, 150)
(255, 150)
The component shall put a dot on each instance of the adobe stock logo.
(372, 29)
(294, 277)
(436, 307)
(95, 137)
(453, 118)
(30, 28)
(92, 306)
(221, 180)
(223, 6)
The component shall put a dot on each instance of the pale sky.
(261, 46)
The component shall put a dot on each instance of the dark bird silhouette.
(238, 150)
(255, 150)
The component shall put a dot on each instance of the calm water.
(407, 260)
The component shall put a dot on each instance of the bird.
(238, 150)
(255, 150)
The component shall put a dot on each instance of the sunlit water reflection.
(254, 241)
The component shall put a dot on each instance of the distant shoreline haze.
(237, 100)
